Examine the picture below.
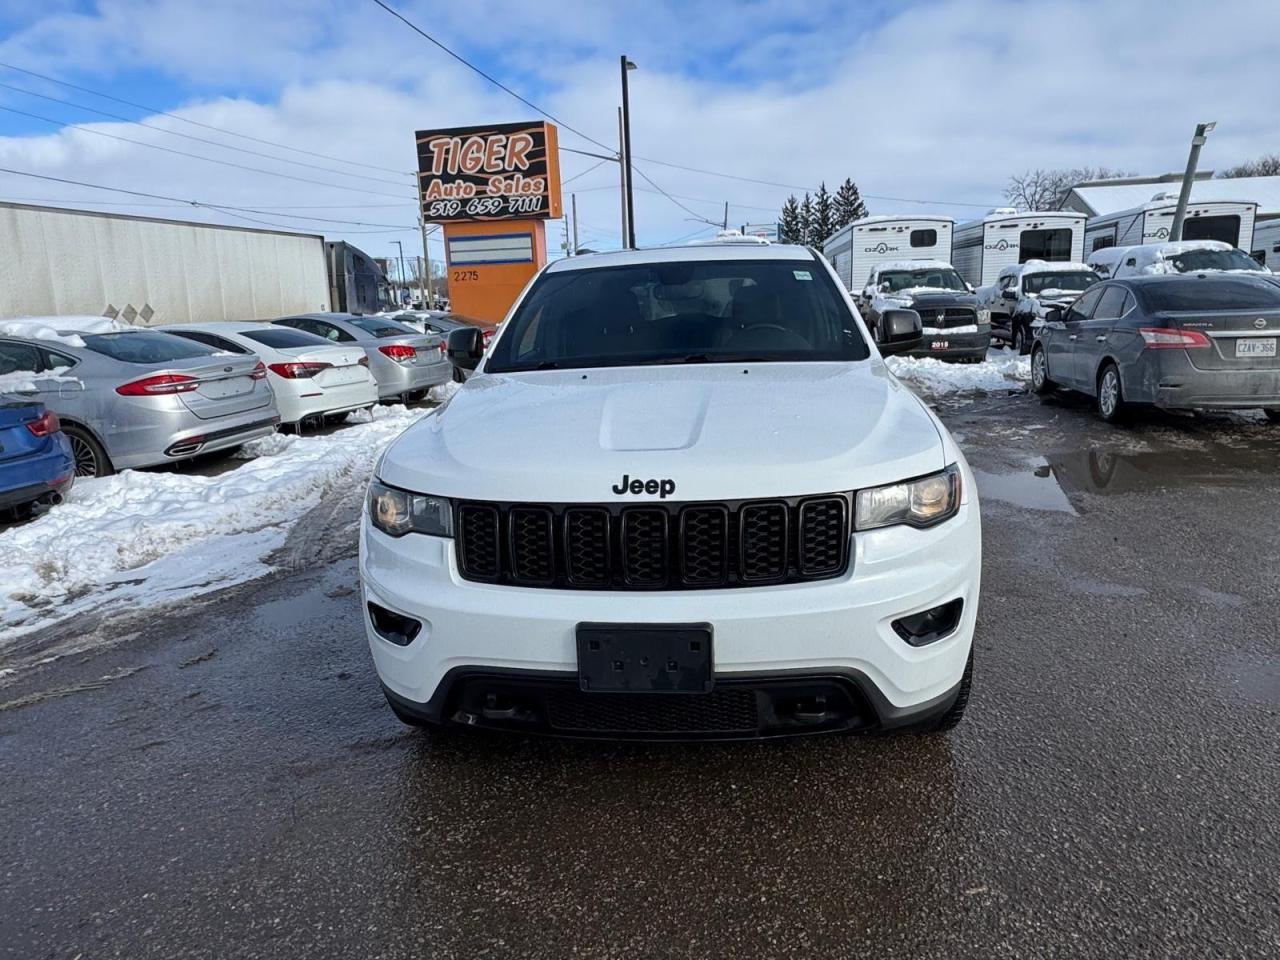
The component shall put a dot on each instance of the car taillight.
(1166, 338)
(298, 371)
(443, 349)
(398, 351)
(363, 361)
(259, 372)
(47, 424)
(159, 384)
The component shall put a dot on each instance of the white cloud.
(939, 101)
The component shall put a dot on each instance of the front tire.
(1040, 382)
(90, 457)
(1021, 337)
(1110, 400)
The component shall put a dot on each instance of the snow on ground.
(143, 537)
(1002, 370)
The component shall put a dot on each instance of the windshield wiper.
(548, 365)
(716, 358)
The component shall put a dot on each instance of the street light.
(630, 239)
(1197, 141)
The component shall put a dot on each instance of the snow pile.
(140, 537)
(31, 328)
(20, 381)
(994, 375)
(912, 265)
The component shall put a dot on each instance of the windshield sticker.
(802, 274)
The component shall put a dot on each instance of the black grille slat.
(587, 546)
(644, 546)
(823, 540)
(704, 540)
(531, 531)
(479, 541)
(655, 546)
(719, 711)
(765, 545)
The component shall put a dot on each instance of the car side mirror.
(1008, 295)
(1053, 315)
(466, 347)
(901, 331)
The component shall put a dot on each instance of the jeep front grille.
(655, 546)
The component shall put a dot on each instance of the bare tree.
(1047, 189)
(1267, 165)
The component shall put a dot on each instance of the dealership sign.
(505, 171)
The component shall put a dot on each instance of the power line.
(584, 172)
(188, 136)
(694, 214)
(497, 83)
(230, 210)
(196, 123)
(196, 156)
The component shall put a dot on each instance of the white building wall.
(154, 271)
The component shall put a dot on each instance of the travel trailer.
(1226, 220)
(1005, 237)
(856, 248)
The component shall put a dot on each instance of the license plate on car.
(1256, 347)
(341, 375)
(221, 389)
(644, 657)
(940, 345)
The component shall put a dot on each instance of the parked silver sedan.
(136, 398)
(405, 363)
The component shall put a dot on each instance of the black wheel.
(1111, 405)
(91, 459)
(1040, 382)
(1272, 414)
(955, 713)
(1021, 337)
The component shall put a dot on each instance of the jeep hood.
(718, 431)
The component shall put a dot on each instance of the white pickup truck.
(681, 496)
(1025, 292)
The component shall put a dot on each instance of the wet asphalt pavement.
(229, 783)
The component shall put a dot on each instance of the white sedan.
(310, 376)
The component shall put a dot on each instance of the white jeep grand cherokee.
(681, 497)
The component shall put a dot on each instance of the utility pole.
(1202, 129)
(400, 247)
(726, 216)
(573, 205)
(430, 300)
(627, 65)
(622, 174)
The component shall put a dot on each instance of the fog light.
(393, 627)
(929, 625)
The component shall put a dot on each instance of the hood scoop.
(640, 418)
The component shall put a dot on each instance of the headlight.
(919, 503)
(984, 315)
(397, 512)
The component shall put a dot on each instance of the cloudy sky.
(928, 106)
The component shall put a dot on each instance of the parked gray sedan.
(1185, 341)
(137, 398)
(405, 363)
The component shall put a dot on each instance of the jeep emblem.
(663, 488)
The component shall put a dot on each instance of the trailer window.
(1101, 243)
(1044, 245)
(1224, 228)
(924, 238)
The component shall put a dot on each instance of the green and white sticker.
(802, 274)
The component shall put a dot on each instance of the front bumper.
(831, 638)
(954, 346)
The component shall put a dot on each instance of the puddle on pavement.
(1253, 678)
(1034, 488)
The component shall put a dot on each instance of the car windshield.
(145, 346)
(1061, 280)
(1210, 294)
(282, 338)
(381, 328)
(702, 311)
(937, 279)
(1192, 261)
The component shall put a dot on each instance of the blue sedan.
(37, 467)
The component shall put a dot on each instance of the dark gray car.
(1182, 342)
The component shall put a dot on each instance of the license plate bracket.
(645, 657)
(1256, 347)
